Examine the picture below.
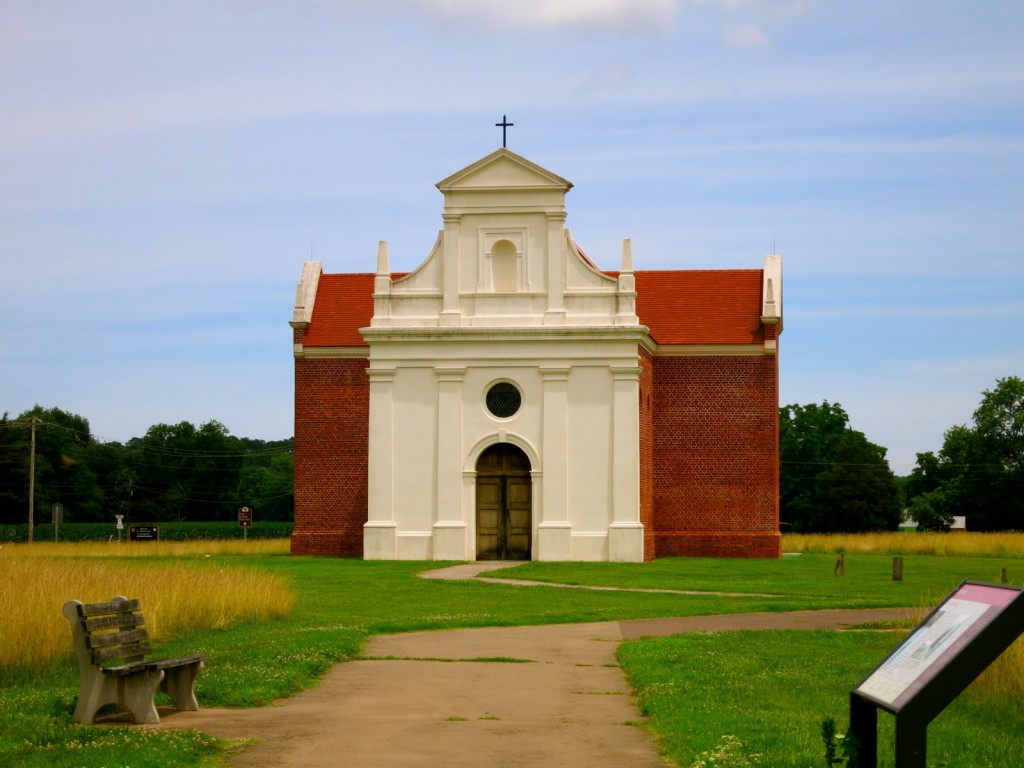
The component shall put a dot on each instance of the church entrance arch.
(504, 504)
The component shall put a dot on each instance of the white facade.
(505, 296)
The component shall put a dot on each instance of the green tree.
(64, 448)
(185, 473)
(14, 449)
(831, 477)
(267, 482)
(979, 472)
(931, 511)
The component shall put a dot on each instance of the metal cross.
(504, 125)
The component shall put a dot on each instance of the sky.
(167, 167)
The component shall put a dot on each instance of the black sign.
(143, 533)
(245, 517)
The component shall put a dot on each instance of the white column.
(554, 532)
(449, 521)
(626, 532)
(379, 532)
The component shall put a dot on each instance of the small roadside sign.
(245, 517)
(143, 533)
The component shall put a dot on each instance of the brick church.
(509, 399)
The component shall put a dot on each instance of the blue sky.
(166, 168)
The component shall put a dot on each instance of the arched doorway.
(504, 508)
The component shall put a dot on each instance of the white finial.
(383, 268)
(627, 255)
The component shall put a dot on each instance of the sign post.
(932, 666)
(58, 518)
(245, 521)
(120, 526)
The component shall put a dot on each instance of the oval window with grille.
(503, 400)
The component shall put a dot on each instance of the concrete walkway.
(457, 698)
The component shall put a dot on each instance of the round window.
(503, 400)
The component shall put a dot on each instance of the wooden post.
(897, 569)
(1003, 577)
(840, 569)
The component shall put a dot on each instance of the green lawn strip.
(772, 689)
(340, 603)
(868, 581)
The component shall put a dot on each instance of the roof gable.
(503, 169)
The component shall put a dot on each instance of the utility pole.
(32, 480)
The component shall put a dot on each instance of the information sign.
(245, 517)
(932, 666)
(143, 533)
(935, 643)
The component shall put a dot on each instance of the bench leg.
(94, 690)
(135, 693)
(180, 685)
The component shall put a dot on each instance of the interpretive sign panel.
(937, 661)
(935, 643)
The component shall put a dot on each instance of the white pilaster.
(449, 521)
(555, 314)
(554, 531)
(450, 311)
(626, 532)
(379, 539)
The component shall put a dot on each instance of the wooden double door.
(504, 508)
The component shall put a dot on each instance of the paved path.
(419, 699)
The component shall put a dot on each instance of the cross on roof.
(504, 125)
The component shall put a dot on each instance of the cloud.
(615, 14)
(747, 36)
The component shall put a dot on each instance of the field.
(295, 617)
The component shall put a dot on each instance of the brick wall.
(332, 413)
(708, 456)
(716, 482)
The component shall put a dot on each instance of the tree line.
(831, 477)
(173, 472)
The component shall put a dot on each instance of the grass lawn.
(339, 603)
(778, 688)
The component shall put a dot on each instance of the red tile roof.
(679, 307)
(721, 306)
(343, 305)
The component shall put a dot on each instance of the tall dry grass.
(178, 593)
(188, 549)
(963, 544)
(1004, 679)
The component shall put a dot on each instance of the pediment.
(503, 169)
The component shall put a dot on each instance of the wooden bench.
(111, 642)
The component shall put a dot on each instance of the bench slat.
(170, 663)
(120, 621)
(125, 669)
(132, 652)
(114, 606)
(118, 638)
